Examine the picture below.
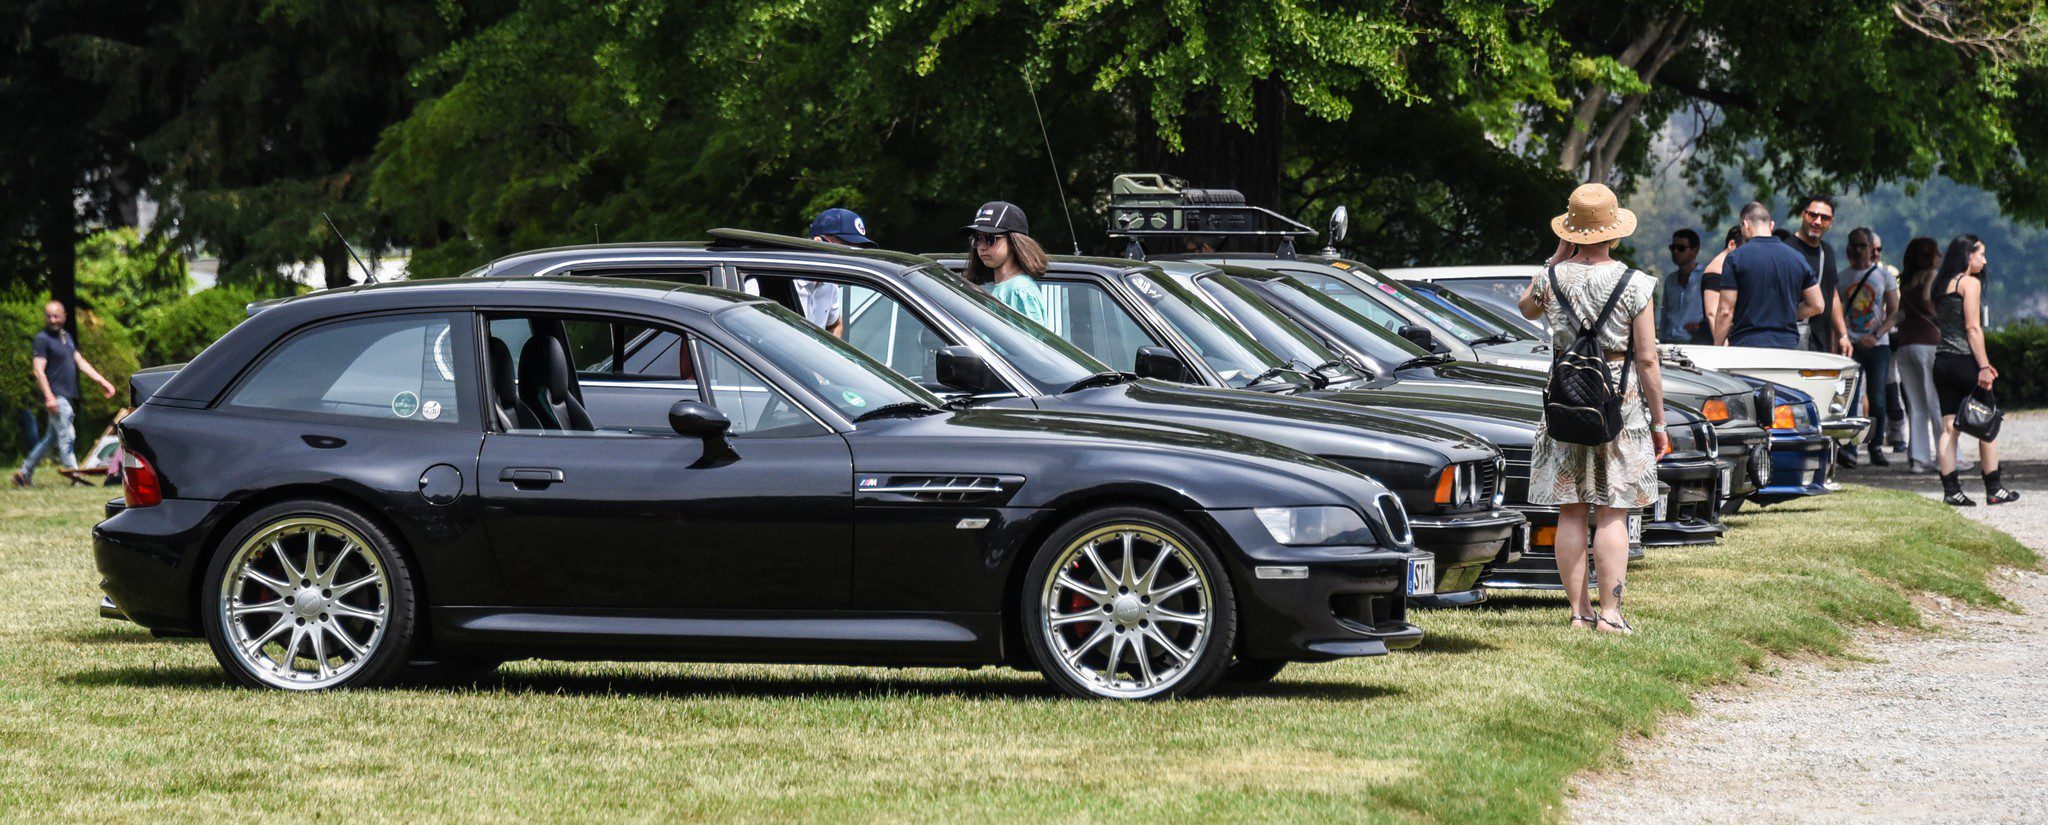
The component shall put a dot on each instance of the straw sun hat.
(1594, 216)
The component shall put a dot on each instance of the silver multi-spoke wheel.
(304, 603)
(1127, 611)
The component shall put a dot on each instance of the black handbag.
(1980, 416)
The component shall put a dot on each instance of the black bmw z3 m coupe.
(360, 479)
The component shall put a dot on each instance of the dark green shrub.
(2020, 352)
(178, 331)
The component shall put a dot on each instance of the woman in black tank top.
(1962, 365)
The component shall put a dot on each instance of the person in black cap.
(821, 298)
(1004, 260)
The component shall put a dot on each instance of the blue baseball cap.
(842, 224)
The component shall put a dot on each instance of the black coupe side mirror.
(960, 368)
(697, 420)
(1161, 363)
(1420, 337)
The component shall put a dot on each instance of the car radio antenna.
(1056, 182)
(369, 277)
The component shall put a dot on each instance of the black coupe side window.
(395, 368)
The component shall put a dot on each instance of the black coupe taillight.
(139, 487)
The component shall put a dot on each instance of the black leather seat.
(511, 413)
(547, 385)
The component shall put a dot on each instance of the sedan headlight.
(1315, 525)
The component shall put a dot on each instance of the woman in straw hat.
(1609, 480)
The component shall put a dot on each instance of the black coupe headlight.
(1307, 526)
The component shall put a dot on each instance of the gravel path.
(1943, 727)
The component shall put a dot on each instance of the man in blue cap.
(821, 298)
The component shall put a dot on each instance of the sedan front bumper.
(1465, 547)
(1688, 511)
(1536, 566)
(1800, 466)
(1848, 432)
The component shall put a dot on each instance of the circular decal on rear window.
(430, 410)
(853, 399)
(405, 404)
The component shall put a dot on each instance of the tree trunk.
(335, 259)
(1218, 154)
(57, 235)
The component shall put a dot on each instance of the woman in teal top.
(1005, 260)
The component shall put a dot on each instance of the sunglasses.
(1819, 217)
(983, 240)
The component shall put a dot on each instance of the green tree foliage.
(2018, 351)
(122, 274)
(270, 109)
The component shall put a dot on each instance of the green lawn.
(1485, 722)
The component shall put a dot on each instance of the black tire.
(1151, 628)
(1253, 671)
(375, 558)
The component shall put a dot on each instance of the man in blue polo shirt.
(1766, 288)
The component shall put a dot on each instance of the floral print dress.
(1622, 472)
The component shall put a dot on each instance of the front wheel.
(308, 595)
(1129, 603)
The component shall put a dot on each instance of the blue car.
(1800, 452)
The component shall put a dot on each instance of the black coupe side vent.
(948, 489)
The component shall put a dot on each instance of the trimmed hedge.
(178, 331)
(2020, 352)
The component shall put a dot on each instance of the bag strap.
(1564, 301)
(1629, 357)
(1866, 279)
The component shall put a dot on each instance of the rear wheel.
(1129, 603)
(308, 595)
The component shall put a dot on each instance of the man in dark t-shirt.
(1766, 288)
(1827, 332)
(56, 363)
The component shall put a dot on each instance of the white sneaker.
(1919, 469)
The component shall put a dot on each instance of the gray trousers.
(1923, 414)
(56, 436)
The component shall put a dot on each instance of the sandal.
(1621, 627)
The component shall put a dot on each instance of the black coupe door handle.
(531, 477)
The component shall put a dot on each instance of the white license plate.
(1421, 576)
(1635, 528)
(1727, 482)
(1656, 513)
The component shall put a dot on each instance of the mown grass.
(1485, 723)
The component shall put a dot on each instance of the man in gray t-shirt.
(1870, 308)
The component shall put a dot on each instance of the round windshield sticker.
(853, 399)
(430, 410)
(405, 404)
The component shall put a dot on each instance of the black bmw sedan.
(930, 326)
(361, 478)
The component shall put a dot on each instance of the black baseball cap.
(998, 218)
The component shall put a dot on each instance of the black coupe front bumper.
(1309, 604)
(1466, 546)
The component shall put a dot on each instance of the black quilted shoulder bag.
(1581, 402)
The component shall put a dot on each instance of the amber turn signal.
(1716, 410)
(1781, 418)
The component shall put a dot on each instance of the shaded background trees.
(460, 131)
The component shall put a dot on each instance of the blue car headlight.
(1307, 526)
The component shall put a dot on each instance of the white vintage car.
(1831, 379)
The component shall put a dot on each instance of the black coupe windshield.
(1387, 349)
(1234, 355)
(1390, 298)
(1046, 360)
(1273, 330)
(1483, 316)
(829, 368)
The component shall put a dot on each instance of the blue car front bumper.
(1800, 466)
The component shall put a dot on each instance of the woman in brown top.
(1917, 336)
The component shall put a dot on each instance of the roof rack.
(1161, 206)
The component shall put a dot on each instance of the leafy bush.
(122, 275)
(2020, 352)
(178, 331)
